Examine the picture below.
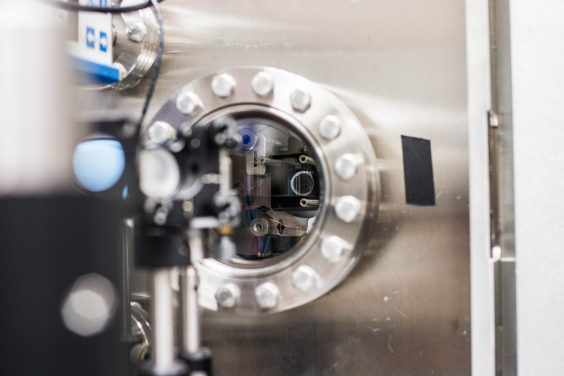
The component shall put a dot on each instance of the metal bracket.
(493, 142)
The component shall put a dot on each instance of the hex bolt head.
(301, 100)
(332, 248)
(347, 208)
(161, 132)
(188, 103)
(260, 227)
(160, 216)
(266, 295)
(227, 296)
(303, 278)
(136, 32)
(262, 84)
(223, 85)
(330, 127)
(346, 166)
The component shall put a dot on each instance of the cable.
(73, 7)
(157, 66)
(280, 223)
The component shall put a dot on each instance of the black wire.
(86, 8)
(157, 65)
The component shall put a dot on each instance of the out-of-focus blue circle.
(98, 164)
(249, 139)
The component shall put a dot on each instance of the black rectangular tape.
(418, 171)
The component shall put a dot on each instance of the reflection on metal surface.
(500, 121)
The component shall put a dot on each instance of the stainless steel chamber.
(400, 68)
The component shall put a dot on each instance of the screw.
(347, 208)
(266, 295)
(188, 207)
(161, 132)
(330, 127)
(136, 32)
(262, 84)
(223, 85)
(346, 166)
(195, 143)
(300, 100)
(332, 248)
(260, 227)
(227, 296)
(188, 103)
(160, 216)
(303, 278)
(186, 129)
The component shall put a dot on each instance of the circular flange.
(334, 245)
(136, 39)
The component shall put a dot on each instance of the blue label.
(98, 3)
(90, 37)
(103, 41)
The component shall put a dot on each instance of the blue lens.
(249, 139)
(98, 164)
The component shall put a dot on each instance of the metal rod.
(225, 184)
(304, 202)
(196, 245)
(163, 319)
(190, 308)
(306, 159)
(269, 161)
(126, 275)
(191, 311)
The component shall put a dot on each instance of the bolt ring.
(304, 106)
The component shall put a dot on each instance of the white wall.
(537, 32)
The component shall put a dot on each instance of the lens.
(98, 164)
(159, 174)
(302, 183)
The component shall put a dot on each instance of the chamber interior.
(277, 178)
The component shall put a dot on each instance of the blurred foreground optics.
(60, 252)
(37, 133)
(98, 164)
(89, 305)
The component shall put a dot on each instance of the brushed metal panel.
(401, 68)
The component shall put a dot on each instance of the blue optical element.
(249, 139)
(98, 164)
